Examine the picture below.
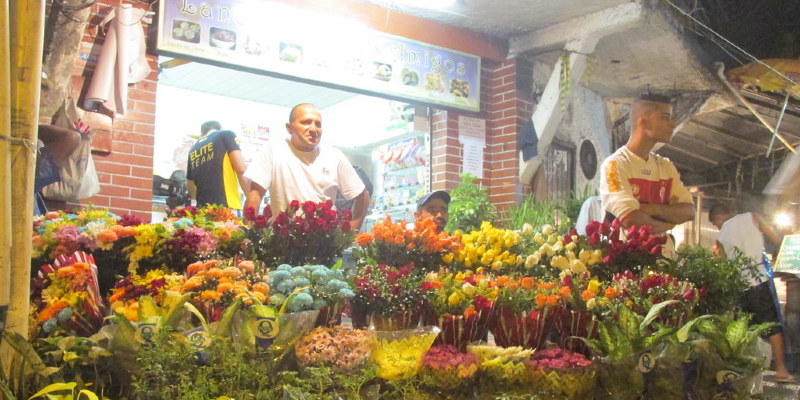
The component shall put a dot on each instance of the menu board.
(283, 40)
(789, 255)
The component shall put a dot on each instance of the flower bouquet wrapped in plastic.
(340, 348)
(398, 354)
(66, 296)
(215, 285)
(506, 367)
(386, 297)
(526, 309)
(460, 304)
(562, 374)
(327, 290)
(443, 367)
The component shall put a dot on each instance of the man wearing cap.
(434, 205)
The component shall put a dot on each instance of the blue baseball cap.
(438, 194)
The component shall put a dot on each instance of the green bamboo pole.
(5, 176)
(27, 40)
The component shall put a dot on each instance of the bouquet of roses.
(561, 374)
(66, 296)
(216, 285)
(491, 248)
(445, 367)
(585, 298)
(124, 298)
(387, 297)
(640, 292)
(635, 248)
(526, 310)
(550, 254)
(391, 243)
(308, 233)
(460, 304)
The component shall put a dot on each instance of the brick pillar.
(445, 151)
(126, 175)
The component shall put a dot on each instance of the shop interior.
(387, 139)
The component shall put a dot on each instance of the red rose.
(294, 206)
(249, 214)
(592, 228)
(260, 221)
(267, 211)
(688, 295)
(594, 239)
(308, 208)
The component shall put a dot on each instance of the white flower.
(591, 303)
(547, 229)
(527, 229)
(467, 288)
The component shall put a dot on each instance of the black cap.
(438, 194)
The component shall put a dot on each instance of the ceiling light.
(435, 4)
(783, 219)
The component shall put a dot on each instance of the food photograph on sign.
(383, 71)
(186, 31)
(459, 88)
(409, 77)
(222, 38)
(290, 52)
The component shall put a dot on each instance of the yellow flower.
(454, 299)
(468, 289)
(527, 229)
(448, 258)
(591, 303)
(497, 265)
(547, 229)
(594, 285)
(577, 266)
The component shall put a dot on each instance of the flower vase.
(398, 354)
(572, 325)
(330, 315)
(459, 330)
(528, 329)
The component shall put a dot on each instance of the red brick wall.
(126, 175)
(505, 110)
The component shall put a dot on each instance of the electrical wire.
(748, 55)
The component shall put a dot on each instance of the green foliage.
(84, 361)
(629, 334)
(173, 369)
(469, 206)
(720, 278)
(28, 370)
(62, 387)
(559, 213)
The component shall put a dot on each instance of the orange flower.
(195, 268)
(469, 312)
(116, 295)
(261, 287)
(191, 284)
(247, 266)
(526, 282)
(107, 236)
(586, 295)
(215, 272)
(224, 287)
(565, 292)
(541, 300)
(232, 272)
(611, 293)
(210, 295)
(52, 310)
(552, 300)
(364, 239)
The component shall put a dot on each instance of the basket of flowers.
(444, 367)
(490, 248)
(526, 310)
(387, 298)
(398, 354)
(215, 285)
(460, 304)
(327, 290)
(340, 348)
(584, 297)
(561, 374)
(124, 298)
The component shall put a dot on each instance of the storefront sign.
(789, 255)
(282, 40)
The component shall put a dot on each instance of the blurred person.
(434, 204)
(591, 210)
(215, 168)
(747, 232)
(640, 187)
(301, 169)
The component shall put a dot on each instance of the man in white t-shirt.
(747, 232)
(300, 169)
(591, 210)
(640, 187)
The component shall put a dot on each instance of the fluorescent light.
(435, 4)
(783, 219)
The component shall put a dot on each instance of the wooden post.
(27, 35)
(5, 174)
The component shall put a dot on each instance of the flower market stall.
(208, 306)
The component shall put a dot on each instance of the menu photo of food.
(434, 82)
(382, 71)
(409, 77)
(290, 52)
(459, 88)
(185, 31)
(222, 38)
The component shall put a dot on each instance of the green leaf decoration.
(223, 327)
(736, 335)
(88, 393)
(192, 309)
(55, 387)
(683, 332)
(26, 352)
(655, 310)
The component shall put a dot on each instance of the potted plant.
(469, 206)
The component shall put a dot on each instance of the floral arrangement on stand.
(550, 254)
(308, 233)
(66, 297)
(216, 285)
(562, 374)
(448, 368)
(586, 299)
(460, 304)
(340, 348)
(386, 297)
(124, 298)
(634, 248)
(310, 287)
(490, 248)
(526, 311)
(391, 243)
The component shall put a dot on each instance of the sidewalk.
(773, 390)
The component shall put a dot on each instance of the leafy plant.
(719, 279)
(61, 387)
(27, 370)
(469, 206)
(561, 213)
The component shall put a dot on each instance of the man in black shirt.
(216, 167)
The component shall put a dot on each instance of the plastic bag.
(78, 174)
